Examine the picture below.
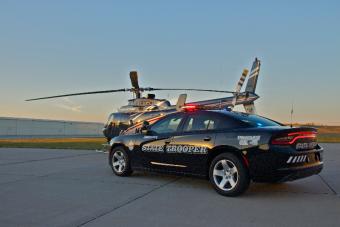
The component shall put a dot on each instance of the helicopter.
(149, 108)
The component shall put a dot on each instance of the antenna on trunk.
(291, 115)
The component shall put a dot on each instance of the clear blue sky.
(52, 47)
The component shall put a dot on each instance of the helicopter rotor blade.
(130, 90)
(81, 93)
(135, 85)
(184, 89)
(134, 79)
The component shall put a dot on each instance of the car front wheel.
(120, 162)
(228, 175)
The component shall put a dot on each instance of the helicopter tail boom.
(245, 98)
(250, 108)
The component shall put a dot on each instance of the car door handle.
(207, 138)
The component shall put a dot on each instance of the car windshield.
(255, 120)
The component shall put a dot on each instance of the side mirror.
(145, 127)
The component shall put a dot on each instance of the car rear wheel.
(120, 162)
(228, 175)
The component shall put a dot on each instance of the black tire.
(125, 162)
(223, 177)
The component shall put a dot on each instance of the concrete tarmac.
(40, 187)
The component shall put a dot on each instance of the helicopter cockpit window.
(168, 125)
(110, 119)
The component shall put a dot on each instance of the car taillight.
(290, 138)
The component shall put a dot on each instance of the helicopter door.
(152, 149)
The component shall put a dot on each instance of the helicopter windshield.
(110, 119)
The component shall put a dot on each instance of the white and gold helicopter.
(142, 108)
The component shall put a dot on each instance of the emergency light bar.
(192, 107)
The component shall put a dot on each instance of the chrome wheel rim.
(225, 175)
(118, 162)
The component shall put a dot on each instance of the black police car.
(230, 148)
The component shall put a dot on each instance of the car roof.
(224, 112)
(240, 116)
(231, 113)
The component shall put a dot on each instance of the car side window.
(210, 121)
(167, 125)
(200, 122)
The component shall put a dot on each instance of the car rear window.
(255, 120)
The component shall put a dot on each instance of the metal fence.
(25, 127)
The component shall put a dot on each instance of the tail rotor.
(239, 86)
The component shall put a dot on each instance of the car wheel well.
(117, 145)
(219, 150)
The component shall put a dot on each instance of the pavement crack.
(327, 184)
(129, 201)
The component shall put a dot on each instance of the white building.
(26, 127)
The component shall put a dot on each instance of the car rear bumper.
(297, 173)
(283, 166)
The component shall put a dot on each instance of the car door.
(152, 147)
(189, 149)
